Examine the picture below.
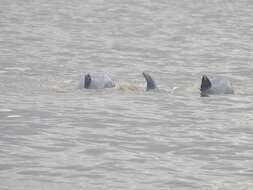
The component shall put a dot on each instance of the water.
(54, 136)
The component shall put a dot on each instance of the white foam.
(13, 116)
(5, 110)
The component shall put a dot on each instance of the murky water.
(54, 136)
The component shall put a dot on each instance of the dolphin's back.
(220, 86)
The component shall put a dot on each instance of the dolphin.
(215, 85)
(96, 81)
(151, 85)
(102, 80)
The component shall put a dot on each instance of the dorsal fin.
(87, 81)
(205, 84)
(150, 82)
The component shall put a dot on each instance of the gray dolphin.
(96, 81)
(215, 85)
(151, 85)
(102, 80)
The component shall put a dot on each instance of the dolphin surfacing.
(96, 81)
(215, 85)
(102, 80)
(151, 85)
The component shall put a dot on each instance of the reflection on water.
(55, 136)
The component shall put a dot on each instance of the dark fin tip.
(205, 84)
(87, 81)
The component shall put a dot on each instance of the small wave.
(22, 69)
(13, 116)
(5, 110)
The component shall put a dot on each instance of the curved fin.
(150, 82)
(205, 84)
(87, 81)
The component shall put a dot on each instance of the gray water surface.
(55, 136)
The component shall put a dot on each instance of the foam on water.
(13, 116)
(5, 110)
